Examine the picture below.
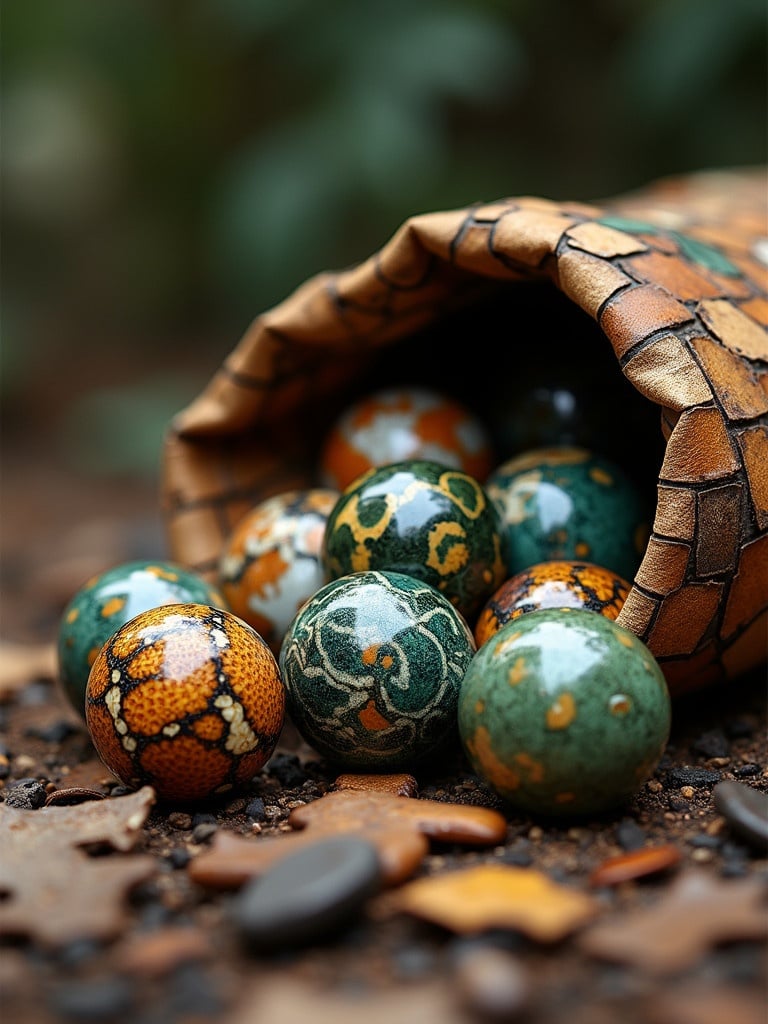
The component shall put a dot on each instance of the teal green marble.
(564, 503)
(372, 666)
(564, 712)
(107, 601)
(423, 519)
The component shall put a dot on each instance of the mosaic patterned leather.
(674, 274)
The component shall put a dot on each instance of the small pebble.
(491, 984)
(702, 856)
(746, 811)
(287, 769)
(179, 857)
(310, 894)
(203, 832)
(698, 778)
(256, 810)
(706, 842)
(746, 771)
(28, 794)
(203, 818)
(687, 792)
(629, 835)
(180, 821)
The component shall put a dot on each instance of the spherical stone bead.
(372, 666)
(395, 424)
(109, 600)
(569, 503)
(271, 562)
(423, 519)
(185, 698)
(564, 712)
(554, 584)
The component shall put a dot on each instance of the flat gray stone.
(309, 895)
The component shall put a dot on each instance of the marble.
(372, 666)
(555, 584)
(271, 564)
(398, 423)
(425, 520)
(564, 713)
(570, 503)
(185, 698)
(107, 601)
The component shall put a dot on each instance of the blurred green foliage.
(170, 169)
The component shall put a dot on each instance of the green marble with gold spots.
(568, 503)
(372, 666)
(426, 520)
(107, 601)
(563, 712)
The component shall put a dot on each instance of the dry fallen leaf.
(696, 913)
(54, 892)
(497, 896)
(399, 828)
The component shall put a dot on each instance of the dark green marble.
(109, 600)
(567, 503)
(564, 712)
(372, 666)
(423, 519)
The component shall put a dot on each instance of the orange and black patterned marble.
(186, 698)
(555, 584)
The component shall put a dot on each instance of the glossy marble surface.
(186, 698)
(372, 667)
(564, 712)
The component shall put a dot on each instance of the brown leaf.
(398, 826)
(697, 912)
(55, 891)
(497, 896)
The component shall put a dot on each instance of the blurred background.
(171, 169)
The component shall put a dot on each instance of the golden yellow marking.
(360, 559)
(163, 574)
(470, 511)
(456, 555)
(492, 768)
(562, 712)
(112, 607)
(627, 641)
(581, 549)
(518, 672)
(505, 642)
(370, 718)
(72, 614)
(387, 661)
(601, 476)
(514, 499)
(479, 707)
(619, 704)
(534, 769)
(564, 798)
